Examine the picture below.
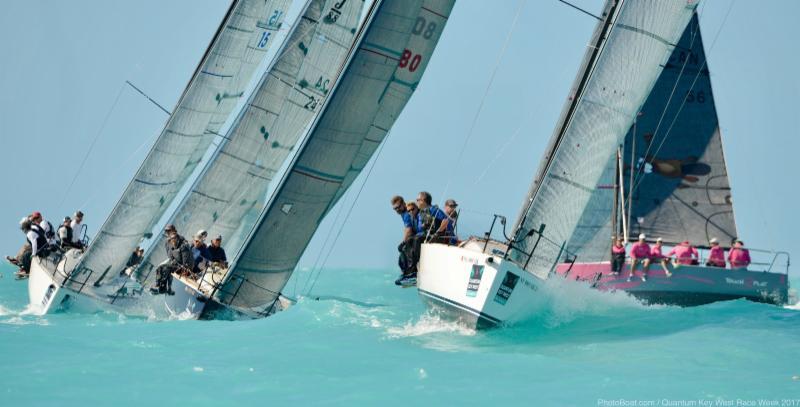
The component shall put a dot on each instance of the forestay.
(681, 188)
(629, 49)
(380, 78)
(277, 114)
(238, 47)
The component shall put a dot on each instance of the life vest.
(50, 233)
(41, 240)
(428, 221)
(65, 240)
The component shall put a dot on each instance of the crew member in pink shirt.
(684, 253)
(640, 253)
(657, 256)
(617, 256)
(716, 258)
(739, 257)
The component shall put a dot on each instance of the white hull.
(45, 291)
(481, 290)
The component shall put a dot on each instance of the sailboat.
(367, 93)
(672, 169)
(240, 44)
(486, 282)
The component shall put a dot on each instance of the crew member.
(640, 253)
(716, 257)
(617, 256)
(179, 253)
(684, 253)
(431, 218)
(200, 255)
(739, 257)
(657, 256)
(77, 225)
(65, 234)
(450, 206)
(216, 253)
(408, 255)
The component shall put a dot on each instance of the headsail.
(237, 49)
(278, 113)
(381, 76)
(629, 48)
(681, 188)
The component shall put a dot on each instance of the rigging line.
(149, 98)
(502, 149)
(321, 251)
(666, 106)
(485, 94)
(120, 167)
(696, 77)
(580, 9)
(349, 212)
(91, 146)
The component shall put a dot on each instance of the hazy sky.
(64, 64)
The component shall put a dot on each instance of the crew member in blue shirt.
(408, 255)
(432, 218)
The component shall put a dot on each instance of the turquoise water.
(385, 349)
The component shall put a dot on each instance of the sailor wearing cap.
(657, 256)
(179, 253)
(76, 225)
(217, 253)
(716, 257)
(450, 206)
(65, 233)
(640, 253)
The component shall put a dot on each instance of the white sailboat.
(485, 282)
(240, 44)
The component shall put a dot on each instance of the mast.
(620, 182)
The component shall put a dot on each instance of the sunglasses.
(397, 208)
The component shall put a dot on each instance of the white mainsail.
(239, 46)
(278, 113)
(630, 47)
(381, 76)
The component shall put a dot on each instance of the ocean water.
(367, 342)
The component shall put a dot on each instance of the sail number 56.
(410, 60)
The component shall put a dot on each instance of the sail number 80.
(410, 60)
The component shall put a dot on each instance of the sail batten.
(225, 70)
(630, 47)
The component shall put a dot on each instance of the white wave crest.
(429, 323)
